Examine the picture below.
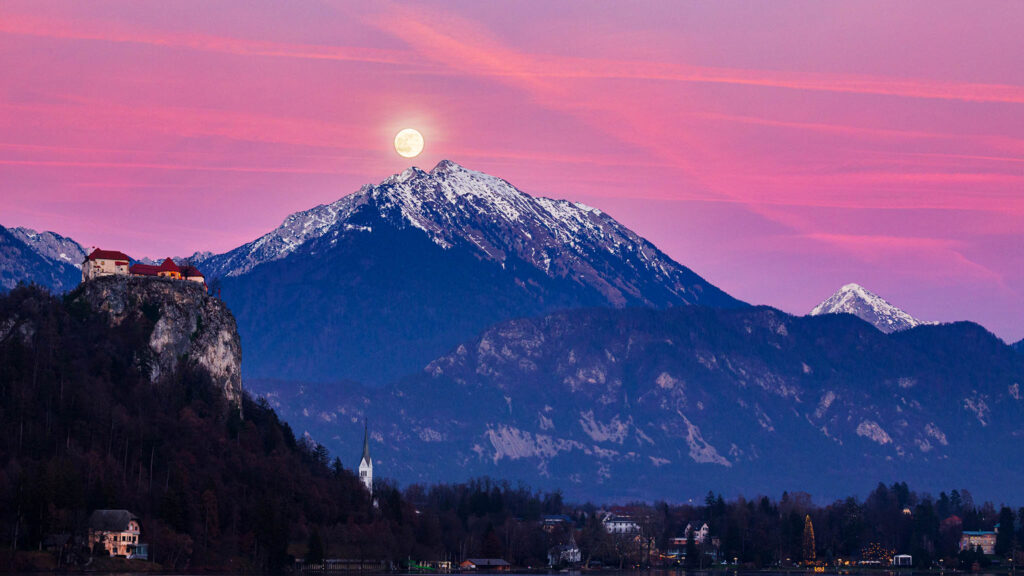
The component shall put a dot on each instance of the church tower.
(366, 464)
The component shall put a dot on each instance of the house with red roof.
(192, 274)
(104, 263)
(168, 269)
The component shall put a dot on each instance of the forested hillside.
(82, 427)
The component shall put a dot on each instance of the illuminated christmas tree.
(809, 554)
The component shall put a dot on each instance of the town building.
(552, 522)
(903, 560)
(168, 269)
(192, 274)
(700, 532)
(366, 463)
(118, 532)
(494, 564)
(971, 540)
(621, 525)
(567, 554)
(104, 263)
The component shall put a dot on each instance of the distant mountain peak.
(51, 246)
(43, 258)
(855, 299)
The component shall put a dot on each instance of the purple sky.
(780, 149)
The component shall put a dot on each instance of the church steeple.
(366, 463)
(366, 445)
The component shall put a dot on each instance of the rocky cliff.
(189, 327)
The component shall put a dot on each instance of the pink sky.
(780, 149)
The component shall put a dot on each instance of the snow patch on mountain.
(933, 431)
(614, 431)
(873, 431)
(868, 306)
(513, 443)
(700, 450)
(296, 230)
(979, 408)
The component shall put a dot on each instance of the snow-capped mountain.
(52, 246)
(46, 259)
(377, 284)
(456, 206)
(868, 306)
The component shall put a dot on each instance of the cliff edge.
(189, 327)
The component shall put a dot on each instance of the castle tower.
(366, 464)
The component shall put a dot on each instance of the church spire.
(366, 464)
(366, 443)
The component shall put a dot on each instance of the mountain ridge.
(30, 257)
(643, 404)
(52, 245)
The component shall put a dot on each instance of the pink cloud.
(28, 25)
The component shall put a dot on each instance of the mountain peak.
(448, 166)
(459, 207)
(854, 299)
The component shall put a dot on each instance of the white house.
(614, 524)
(566, 554)
(117, 531)
(104, 263)
(700, 534)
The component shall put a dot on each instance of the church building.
(366, 464)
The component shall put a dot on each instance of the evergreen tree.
(810, 555)
(1005, 536)
(691, 549)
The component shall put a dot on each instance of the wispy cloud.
(104, 31)
(944, 254)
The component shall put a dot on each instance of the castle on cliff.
(113, 263)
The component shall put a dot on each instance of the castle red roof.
(98, 254)
(168, 265)
(144, 270)
(191, 272)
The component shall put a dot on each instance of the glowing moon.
(409, 143)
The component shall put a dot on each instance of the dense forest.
(83, 428)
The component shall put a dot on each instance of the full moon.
(409, 143)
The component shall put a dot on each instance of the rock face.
(868, 306)
(190, 327)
